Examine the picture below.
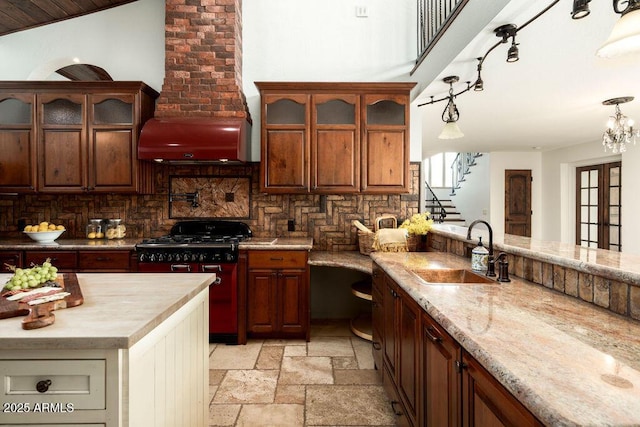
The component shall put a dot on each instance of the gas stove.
(195, 241)
(202, 247)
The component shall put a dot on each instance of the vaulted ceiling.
(18, 15)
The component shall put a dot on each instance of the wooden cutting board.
(41, 315)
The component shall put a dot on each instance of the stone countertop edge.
(110, 317)
(70, 244)
(557, 355)
(612, 265)
(277, 243)
(346, 259)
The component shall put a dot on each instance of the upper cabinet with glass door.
(17, 142)
(334, 138)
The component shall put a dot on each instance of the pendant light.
(450, 115)
(625, 36)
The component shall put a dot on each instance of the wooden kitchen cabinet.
(85, 133)
(334, 137)
(441, 392)
(485, 402)
(17, 142)
(277, 292)
(429, 378)
(10, 258)
(98, 261)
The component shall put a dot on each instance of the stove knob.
(160, 257)
(169, 257)
(185, 257)
(228, 257)
(152, 257)
(142, 257)
(201, 258)
(194, 257)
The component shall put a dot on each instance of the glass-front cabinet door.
(62, 143)
(17, 143)
(335, 144)
(285, 143)
(385, 145)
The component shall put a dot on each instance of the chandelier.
(450, 115)
(620, 130)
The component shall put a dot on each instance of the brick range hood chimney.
(203, 62)
(201, 114)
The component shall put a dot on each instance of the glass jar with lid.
(115, 229)
(94, 229)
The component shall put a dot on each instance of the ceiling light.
(580, 9)
(512, 54)
(450, 115)
(479, 84)
(504, 32)
(625, 36)
(620, 130)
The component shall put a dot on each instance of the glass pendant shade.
(451, 131)
(624, 38)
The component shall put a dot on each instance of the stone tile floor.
(329, 381)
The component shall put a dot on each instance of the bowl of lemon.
(45, 232)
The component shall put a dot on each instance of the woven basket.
(365, 239)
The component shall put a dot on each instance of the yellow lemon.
(44, 224)
(28, 228)
(52, 226)
(91, 235)
(60, 227)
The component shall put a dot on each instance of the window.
(598, 206)
(438, 170)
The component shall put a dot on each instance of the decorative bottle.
(480, 257)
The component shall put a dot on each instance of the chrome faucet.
(491, 267)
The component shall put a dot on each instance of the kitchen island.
(570, 363)
(134, 353)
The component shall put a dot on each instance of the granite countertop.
(618, 266)
(569, 362)
(347, 259)
(278, 243)
(69, 244)
(118, 310)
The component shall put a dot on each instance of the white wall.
(126, 41)
(323, 40)
(498, 163)
(559, 169)
(472, 199)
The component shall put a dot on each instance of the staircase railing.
(434, 16)
(438, 212)
(460, 168)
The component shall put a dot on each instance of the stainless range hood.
(195, 140)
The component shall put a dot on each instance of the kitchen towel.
(390, 240)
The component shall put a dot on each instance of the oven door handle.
(178, 267)
(216, 282)
(208, 267)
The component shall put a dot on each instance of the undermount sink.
(447, 275)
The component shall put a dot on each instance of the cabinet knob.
(397, 412)
(376, 345)
(43, 386)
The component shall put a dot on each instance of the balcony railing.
(434, 16)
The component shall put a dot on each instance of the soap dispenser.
(480, 257)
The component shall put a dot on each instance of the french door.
(598, 206)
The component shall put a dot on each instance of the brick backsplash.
(326, 218)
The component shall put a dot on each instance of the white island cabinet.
(135, 353)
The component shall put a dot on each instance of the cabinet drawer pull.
(43, 386)
(376, 345)
(393, 407)
(431, 334)
(178, 267)
(276, 259)
(211, 267)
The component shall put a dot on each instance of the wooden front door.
(517, 202)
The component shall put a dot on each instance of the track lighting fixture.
(580, 9)
(479, 84)
(504, 32)
(450, 115)
(512, 54)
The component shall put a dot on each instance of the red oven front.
(223, 294)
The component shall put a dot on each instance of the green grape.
(53, 269)
(46, 264)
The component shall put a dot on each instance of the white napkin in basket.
(390, 240)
